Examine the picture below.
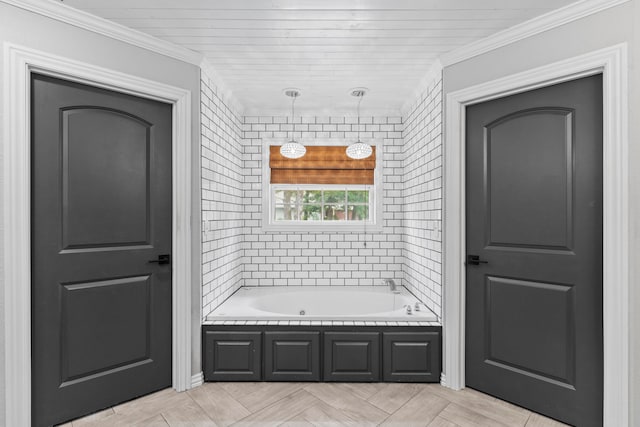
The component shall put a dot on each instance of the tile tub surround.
(238, 252)
(222, 197)
(314, 258)
(422, 197)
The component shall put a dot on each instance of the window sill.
(319, 228)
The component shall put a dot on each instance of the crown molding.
(224, 92)
(434, 73)
(552, 19)
(87, 21)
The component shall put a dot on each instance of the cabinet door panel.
(232, 356)
(351, 356)
(411, 356)
(292, 356)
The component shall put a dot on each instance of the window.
(321, 203)
(324, 190)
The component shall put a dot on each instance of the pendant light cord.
(359, 101)
(293, 109)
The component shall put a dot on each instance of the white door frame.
(20, 62)
(612, 63)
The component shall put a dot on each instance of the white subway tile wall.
(321, 258)
(238, 252)
(222, 197)
(422, 197)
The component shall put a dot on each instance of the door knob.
(162, 259)
(475, 260)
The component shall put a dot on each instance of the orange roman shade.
(321, 165)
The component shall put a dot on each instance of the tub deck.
(314, 305)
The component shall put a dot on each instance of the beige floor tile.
(156, 421)
(266, 394)
(363, 390)
(325, 415)
(317, 404)
(391, 397)
(98, 416)
(136, 411)
(239, 389)
(120, 420)
(537, 420)
(296, 423)
(297, 420)
(420, 410)
(219, 405)
(106, 421)
(483, 404)
(280, 411)
(442, 422)
(188, 415)
(515, 408)
(466, 417)
(156, 398)
(338, 396)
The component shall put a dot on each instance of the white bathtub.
(375, 303)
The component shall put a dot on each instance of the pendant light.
(292, 149)
(359, 150)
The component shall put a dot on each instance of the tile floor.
(316, 404)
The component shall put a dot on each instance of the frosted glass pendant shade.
(292, 150)
(359, 150)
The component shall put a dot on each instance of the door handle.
(162, 259)
(475, 260)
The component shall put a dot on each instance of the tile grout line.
(269, 406)
(231, 396)
(400, 407)
(444, 416)
(165, 420)
(409, 400)
(204, 411)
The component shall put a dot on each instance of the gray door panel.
(101, 209)
(534, 214)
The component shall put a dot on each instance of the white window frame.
(375, 194)
(325, 187)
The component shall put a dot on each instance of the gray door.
(101, 210)
(534, 222)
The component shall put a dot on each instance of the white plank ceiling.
(323, 47)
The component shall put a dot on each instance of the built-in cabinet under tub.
(321, 353)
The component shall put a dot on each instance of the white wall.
(38, 32)
(634, 214)
(604, 29)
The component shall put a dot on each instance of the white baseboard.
(197, 380)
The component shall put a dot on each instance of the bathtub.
(373, 303)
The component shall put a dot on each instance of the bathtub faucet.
(392, 285)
